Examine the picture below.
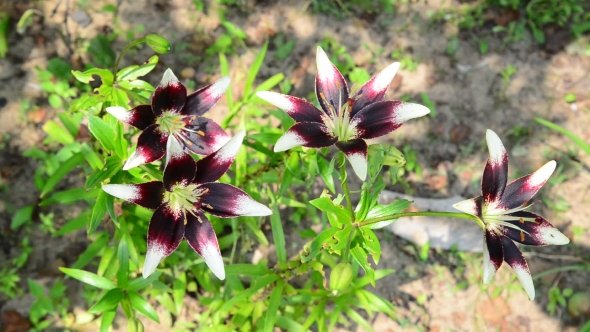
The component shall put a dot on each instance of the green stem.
(579, 267)
(127, 48)
(343, 178)
(423, 214)
(346, 250)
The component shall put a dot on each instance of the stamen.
(201, 133)
(522, 236)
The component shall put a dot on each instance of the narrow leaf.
(140, 304)
(278, 235)
(63, 169)
(109, 301)
(88, 278)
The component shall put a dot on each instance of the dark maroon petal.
(202, 100)
(140, 117)
(539, 232)
(493, 254)
(165, 232)
(170, 95)
(297, 108)
(149, 194)
(356, 153)
(520, 191)
(514, 258)
(381, 118)
(212, 167)
(495, 174)
(202, 136)
(180, 166)
(151, 146)
(330, 87)
(374, 90)
(308, 134)
(202, 238)
(227, 201)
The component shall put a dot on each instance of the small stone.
(187, 73)
(82, 18)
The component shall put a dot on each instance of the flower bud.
(157, 43)
(392, 156)
(134, 325)
(340, 277)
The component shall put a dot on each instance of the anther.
(522, 236)
(201, 133)
(521, 220)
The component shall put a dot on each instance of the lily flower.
(173, 113)
(187, 191)
(343, 120)
(502, 211)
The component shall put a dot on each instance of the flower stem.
(343, 177)
(423, 214)
(127, 48)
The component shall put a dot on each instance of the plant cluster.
(189, 178)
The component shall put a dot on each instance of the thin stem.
(343, 178)
(127, 48)
(346, 250)
(423, 214)
(579, 267)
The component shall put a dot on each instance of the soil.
(467, 89)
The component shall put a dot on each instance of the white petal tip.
(168, 78)
(359, 165)
(288, 141)
(553, 236)
(411, 111)
(152, 259)
(221, 85)
(133, 161)
(255, 209)
(468, 206)
(527, 282)
(214, 261)
(384, 78)
(123, 191)
(118, 112)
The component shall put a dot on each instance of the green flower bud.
(340, 277)
(390, 154)
(158, 44)
(134, 325)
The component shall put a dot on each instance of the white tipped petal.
(231, 148)
(135, 160)
(288, 140)
(489, 269)
(168, 78)
(384, 78)
(128, 192)
(218, 88)
(251, 208)
(359, 165)
(214, 260)
(410, 111)
(552, 236)
(540, 176)
(526, 280)
(468, 206)
(120, 113)
(152, 259)
(495, 148)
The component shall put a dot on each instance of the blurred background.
(497, 64)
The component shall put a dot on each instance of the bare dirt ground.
(445, 292)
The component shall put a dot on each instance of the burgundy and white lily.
(343, 120)
(502, 209)
(173, 113)
(189, 189)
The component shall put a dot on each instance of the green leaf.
(109, 301)
(317, 244)
(21, 217)
(273, 306)
(35, 288)
(327, 171)
(91, 157)
(355, 316)
(92, 251)
(113, 164)
(26, 20)
(101, 51)
(278, 234)
(246, 269)
(110, 204)
(577, 140)
(360, 255)
(102, 131)
(252, 224)
(108, 317)
(88, 278)
(58, 133)
(85, 77)
(63, 169)
(289, 324)
(4, 20)
(379, 211)
(141, 282)
(70, 196)
(138, 303)
(72, 125)
(73, 225)
(55, 101)
(123, 256)
(224, 66)
(254, 70)
(371, 244)
(379, 274)
(248, 293)
(134, 72)
(98, 212)
(325, 204)
(270, 83)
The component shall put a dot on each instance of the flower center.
(183, 198)
(339, 120)
(492, 215)
(171, 123)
